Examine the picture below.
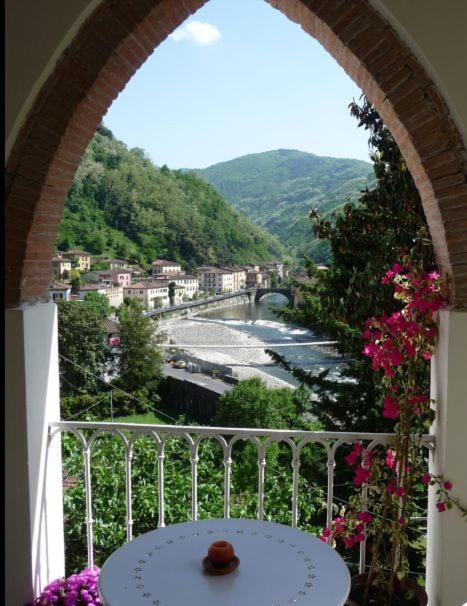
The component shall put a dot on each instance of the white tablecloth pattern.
(279, 566)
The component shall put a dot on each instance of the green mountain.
(121, 204)
(277, 189)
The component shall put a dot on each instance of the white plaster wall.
(36, 34)
(436, 32)
(447, 531)
(34, 499)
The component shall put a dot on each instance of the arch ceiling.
(121, 34)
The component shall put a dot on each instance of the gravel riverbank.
(196, 332)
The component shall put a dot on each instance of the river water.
(256, 323)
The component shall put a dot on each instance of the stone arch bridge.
(259, 293)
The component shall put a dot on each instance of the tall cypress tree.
(365, 239)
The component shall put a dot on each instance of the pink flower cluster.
(77, 590)
(444, 497)
(360, 459)
(350, 529)
(394, 340)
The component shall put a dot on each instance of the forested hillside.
(122, 205)
(277, 189)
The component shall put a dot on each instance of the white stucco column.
(33, 475)
(447, 532)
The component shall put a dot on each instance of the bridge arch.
(264, 292)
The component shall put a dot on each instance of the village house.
(120, 277)
(221, 281)
(151, 295)
(114, 293)
(61, 265)
(114, 263)
(161, 266)
(239, 277)
(189, 282)
(251, 267)
(274, 266)
(256, 279)
(80, 258)
(179, 294)
(61, 291)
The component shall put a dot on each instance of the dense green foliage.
(122, 205)
(82, 347)
(251, 404)
(365, 240)
(277, 189)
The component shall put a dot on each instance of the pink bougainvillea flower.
(365, 517)
(361, 476)
(390, 458)
(426, 478)
(399, 491)
(352, 458)
(390, 407)
(325, 534)
(426, 355)
(402, 521)
(447, 485)
(440, 507)
(349, 542)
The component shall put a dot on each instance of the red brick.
(444, 170)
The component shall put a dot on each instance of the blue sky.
(238, 77)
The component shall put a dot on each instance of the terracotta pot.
(221, 552)
(359, 582)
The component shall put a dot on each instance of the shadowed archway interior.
(121, 34)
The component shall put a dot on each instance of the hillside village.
(77, 273)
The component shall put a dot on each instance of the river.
(254, 323)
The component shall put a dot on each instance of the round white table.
(279, 566)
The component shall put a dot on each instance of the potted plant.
(392, 478)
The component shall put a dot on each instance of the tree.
(99, 303)
(140, 362)
(75, 281)
(172, 293)
(252, 404)
(82, 347)
(365, 240)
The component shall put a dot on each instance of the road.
(197, 378)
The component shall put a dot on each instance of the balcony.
(331, 443)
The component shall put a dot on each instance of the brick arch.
(121, 34)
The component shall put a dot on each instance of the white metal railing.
(227, 437)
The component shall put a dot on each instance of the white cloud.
(197, 32)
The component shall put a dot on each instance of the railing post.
(194, 459)
(227, 478)
(129, 511)
(261, 468)
(89, 519)
(330, 497)
(160, 483)
(295, 480)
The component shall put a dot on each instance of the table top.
(279, 566)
